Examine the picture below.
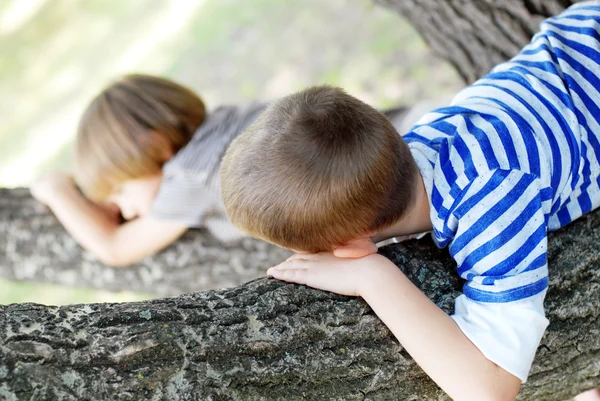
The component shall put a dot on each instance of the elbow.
(111, 258)
(112, 261)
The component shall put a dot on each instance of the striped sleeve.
(498, 230)
(498, 226)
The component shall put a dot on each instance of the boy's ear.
(356, 248)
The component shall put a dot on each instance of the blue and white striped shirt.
(516, 154)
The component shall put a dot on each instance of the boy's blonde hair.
(318, 169)
(125, 131)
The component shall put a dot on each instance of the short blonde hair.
(123, 132)
(316, 170)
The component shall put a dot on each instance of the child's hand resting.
(55, 186)
(49, 184)
(327, 272)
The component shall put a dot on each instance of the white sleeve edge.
(507, 334)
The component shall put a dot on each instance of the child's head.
(129, 131)
(318, 169)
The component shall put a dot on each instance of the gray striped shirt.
(190, 191)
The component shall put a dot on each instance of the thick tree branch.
(35, 247)
(267, 340)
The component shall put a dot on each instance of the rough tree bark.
(475, 35)
(267, 340)
(35, 247)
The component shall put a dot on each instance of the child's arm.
(431, 337)
(96, 229)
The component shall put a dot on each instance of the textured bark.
(35, 247)
(267, 340)
(475, 35)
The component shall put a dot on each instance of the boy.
(517, 154)
(145, 145)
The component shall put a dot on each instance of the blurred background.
(55, 55)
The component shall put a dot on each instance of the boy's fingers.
(287, 265)
(292, 275)
(296, 256)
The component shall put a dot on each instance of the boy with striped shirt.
(517, 154)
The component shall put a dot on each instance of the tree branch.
(267, 340)
(37, 248)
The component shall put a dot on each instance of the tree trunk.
(35, 247)
(267, 340)
(475, 35)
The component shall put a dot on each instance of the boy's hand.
(55, 186)
(327, 272)
(48, 184)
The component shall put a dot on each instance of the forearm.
(91, 227)
(434, 340)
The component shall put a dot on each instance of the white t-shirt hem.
(507, 334)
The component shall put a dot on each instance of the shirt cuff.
(507, 334)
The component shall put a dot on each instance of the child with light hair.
(517, 154)
(146, 151)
